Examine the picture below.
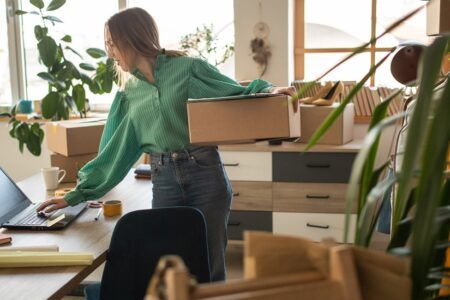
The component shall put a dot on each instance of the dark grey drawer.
(312, 166)
(248, 220)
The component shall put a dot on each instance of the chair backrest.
(141, 237)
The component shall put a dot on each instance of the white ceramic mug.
(52, 177)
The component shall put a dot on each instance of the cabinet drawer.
(252, 166)
(248, 220)
(252, 195)
(313, 226)
(312, 167)
(309, 197)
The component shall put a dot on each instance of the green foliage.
(204, 44)
(421, 211)
(67, 85)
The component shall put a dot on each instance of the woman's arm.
(119, 150)
(206, 82)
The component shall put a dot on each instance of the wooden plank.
(252, 195)
(351, 147)
(343, 270)
(309, 197)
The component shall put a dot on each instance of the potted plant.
(67, 83)
(204, 44)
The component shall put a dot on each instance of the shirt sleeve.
(206, 82)
(120, 149)
(115, 115)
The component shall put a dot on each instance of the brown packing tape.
(112, 208)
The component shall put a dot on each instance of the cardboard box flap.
(237, 97)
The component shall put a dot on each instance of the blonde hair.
(135, 29)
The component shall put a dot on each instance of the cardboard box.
(75, 137)
(72, 164)
(438, 20)
(341, 132)
(241, 119)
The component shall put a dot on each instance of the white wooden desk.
(84, 234)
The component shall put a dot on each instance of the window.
(5, 77)
(326, 31)
(175, 23)
(84, 20)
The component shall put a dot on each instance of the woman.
(148, 115)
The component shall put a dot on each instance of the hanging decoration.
(259, 45)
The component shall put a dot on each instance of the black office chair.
(140, 238)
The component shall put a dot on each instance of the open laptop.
(18, 212)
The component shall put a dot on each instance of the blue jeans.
(196, 177)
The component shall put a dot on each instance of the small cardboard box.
(240, 119)
(341, 132)
(72, 164)
(75, 137)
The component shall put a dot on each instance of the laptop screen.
(12, 200)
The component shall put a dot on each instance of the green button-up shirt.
(147, 118)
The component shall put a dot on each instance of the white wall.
(20, 166)
(278, 14)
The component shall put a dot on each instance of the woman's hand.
(52, 204)
(290, 90)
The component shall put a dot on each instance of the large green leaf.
(367, 179)
(47, 50)
(370, 212)
(63, 109)
(87, 67)
(96, 52)
(40, 32)
(55, 4)
(67, 38)
(74, 51)
(20, 12)
(53, 19)
(46, 76)
(36, 137)
(400, 236)
(50, 105)
(79, 95)
(429, 70)
(427, 197)
(37, 3)
(22, 132)
(332, 117)
(359, 163)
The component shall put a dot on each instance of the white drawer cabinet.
(313, 226)
(251, 166)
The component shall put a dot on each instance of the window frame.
(16, 50)
(299, 41)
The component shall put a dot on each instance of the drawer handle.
(318, 165)
(318, 196)
(236, 223)
(231, 164)
(236, 194)
(318, 226)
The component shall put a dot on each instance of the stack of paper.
(9, 259)
(5, 239)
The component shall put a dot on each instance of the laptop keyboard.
(32, 218)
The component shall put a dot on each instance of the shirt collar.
(136, 73)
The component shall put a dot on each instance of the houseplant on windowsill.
(204, 44)
(421, 206)
(67, 83)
